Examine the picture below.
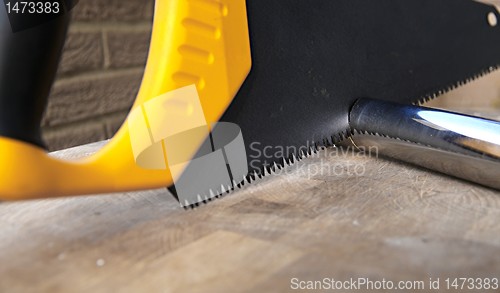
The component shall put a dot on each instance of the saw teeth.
(457, 84)
(255, 175)
(268, 171)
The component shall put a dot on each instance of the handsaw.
(311, 61)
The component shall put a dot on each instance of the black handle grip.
(28, 64)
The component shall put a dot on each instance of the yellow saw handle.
(200, 42)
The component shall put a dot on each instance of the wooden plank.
(320, 218)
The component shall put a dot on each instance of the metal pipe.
(459, 145)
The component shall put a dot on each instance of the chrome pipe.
(459, 145)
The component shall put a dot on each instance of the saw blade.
(313, 59)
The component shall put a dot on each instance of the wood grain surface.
(336, 214)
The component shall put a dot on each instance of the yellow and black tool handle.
(201, 48)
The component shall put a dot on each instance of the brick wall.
(100, 71)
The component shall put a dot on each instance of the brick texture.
(113, 123)
(100, 71)
(127, 49)
(113, 10)
(82, 98)
(82, 52)
(73, 136)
